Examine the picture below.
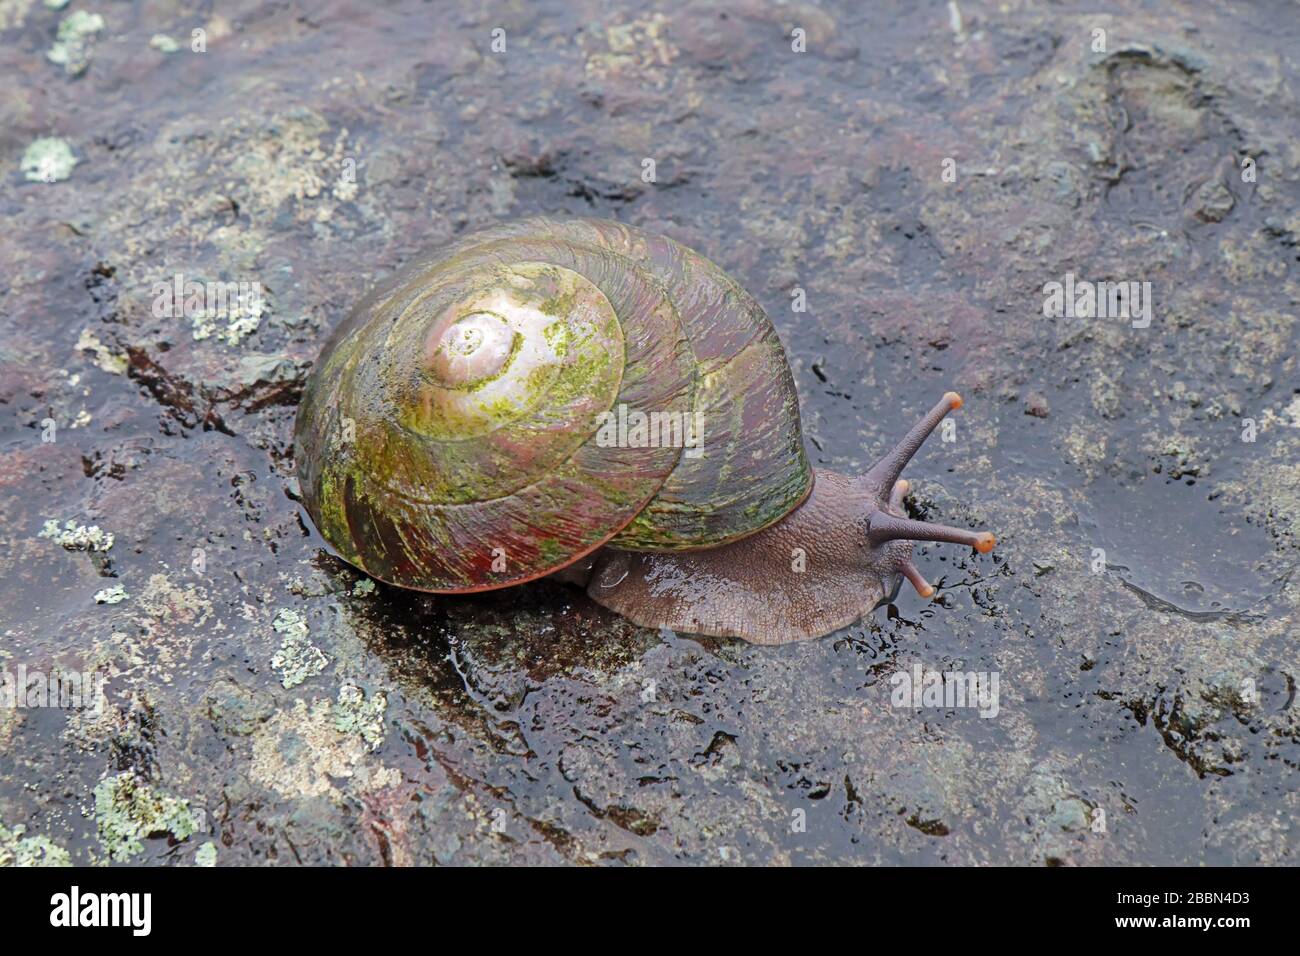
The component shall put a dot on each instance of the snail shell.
(449, 437)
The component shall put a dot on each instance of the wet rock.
(236, 709)
(1212, 202)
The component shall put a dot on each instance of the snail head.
(889, 532)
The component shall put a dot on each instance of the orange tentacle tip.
(928, 592)
(984, 542)
(953, 399)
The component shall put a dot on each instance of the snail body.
(585, 399)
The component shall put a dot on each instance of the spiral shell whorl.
(468, 363)
(470, 350)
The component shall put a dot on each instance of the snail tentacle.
(923, 587)
(901, 488)
(885, 472)
(882, 527)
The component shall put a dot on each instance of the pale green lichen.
(354, 714)
(48, 160)
(345, 190)
(128, 811)
(300, 752)
(290, 622)
(287, 161)
(75, 40)
(112, 362)
(363, 587)
(114, 595)
(298, 659)
(18, 850)
(13, 13)
(76, 537)
(241, 312)
(206, 855)
(163, 43)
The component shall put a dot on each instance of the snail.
(583, 399)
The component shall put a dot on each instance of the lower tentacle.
(901, 488)
(923, 587)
